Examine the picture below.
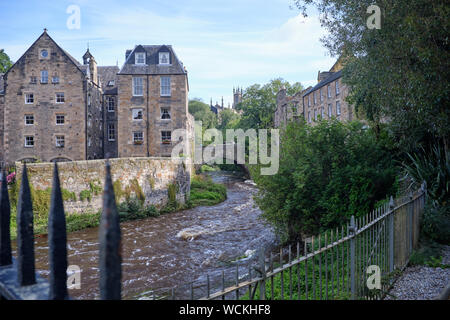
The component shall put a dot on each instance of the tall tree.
(5, 61)
(259, 103)
(202, 112)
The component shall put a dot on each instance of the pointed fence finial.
(57, 242)
(391, 203)
(5, 223)
(25, 238)
(110, 244)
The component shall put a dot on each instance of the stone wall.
(153, 177)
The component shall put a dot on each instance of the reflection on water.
(173, 249)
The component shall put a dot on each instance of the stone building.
(323, 101)
(152, 101)
(53, 108)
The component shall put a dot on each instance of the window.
(29, 141)
(60, 119)
(315, 97)
(89, 100)
(164, 58)
(139, 58)
(111, 83)
(321, 94)
(309, 116)
(60, 141)
(338, 108)
(55, 79)
(89, 141)
(44, 76)
(330, 110)
(166, 137)
(111, 132)
(44, 53)
(29, 119)
(315, 114)
(329, 91)
(111, 102)
(138, 86)
(29, 98)
(165, 114)
(337, 87)
(138, 114)
(33, 80)
(309, 101)
(60, 97)
(165, 86)
(138, 137)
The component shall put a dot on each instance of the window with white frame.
(139, 58)
(166, 137)
(315, 97)
(111, 83)
(33, 80)
(315, 114)
(330, 110)
(60, 119)
(60, 97)
(60, 141)
(29, 141)
(165, 86)
(309, 101)
(321, 94)
(138, 114)
(29, 98)
(138, 137)
(337, 87)
(29, 119)
(309, 116)
(138, 86)
(329, 91)
(111, 132)
(55, 79)
(44, 76)
(164, 58)
(111, 104)
(338, 108)
(165, 113)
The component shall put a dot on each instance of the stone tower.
(237, 96)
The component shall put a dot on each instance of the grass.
(203, 193)
(428, 254)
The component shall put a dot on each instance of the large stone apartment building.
(53, 108)
(323, 101)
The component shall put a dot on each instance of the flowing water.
(173, 249)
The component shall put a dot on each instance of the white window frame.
(135, 112)
(161, 55)
(168, 112)
(315, 97)
(58, 140)
(111, 83)
(330, 110)
(338, 90)
(111, 132)
(338, 108)
(63, 97)
(138, 55)
(166, 88)
(108, 102)
(164, 140)
(138, 139)
(63, 118)
(321, 94)
(55, 79)
(26, 140)
(136, 86)
(27, 95)
(329, 91)
(27, 119)
(309, 116)
(44, 76)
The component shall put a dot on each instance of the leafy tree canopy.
(5, 61)
(202, 112)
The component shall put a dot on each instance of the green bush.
(327, 173)
(204, 192)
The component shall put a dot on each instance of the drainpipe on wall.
(148, 119)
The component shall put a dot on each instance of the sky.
(222, 43)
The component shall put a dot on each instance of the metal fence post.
(391, 234)
(5, 223)
(352, 230)
(262, 284)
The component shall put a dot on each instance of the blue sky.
(223, 43)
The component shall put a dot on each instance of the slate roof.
(2, 83)
(152, 66)
(323, 83)
(106, 74)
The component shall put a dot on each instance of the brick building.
(323, 101)
(53, 108)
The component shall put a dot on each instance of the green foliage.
(327, 173)
(259, 103)
(135, 188)
(206, 168)
(95, 189)
(5, 61)
(172, 190)
(428, 254)
(204, 192)
(202, 112)
(228, 120)
(133, 209)
(435, 223)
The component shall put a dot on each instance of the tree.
(228, 119)
(327, 173)
(259, 103)
(202, 112)
(5, 61)
(399, 72)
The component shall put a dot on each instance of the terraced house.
(323, 101)
(53, 108)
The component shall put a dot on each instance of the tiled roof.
(323, 83)
(152, 66)
(107, 74)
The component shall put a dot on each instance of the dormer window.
(111, 83)
(164, 58)
(139, 58)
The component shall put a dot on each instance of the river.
(174, 249)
